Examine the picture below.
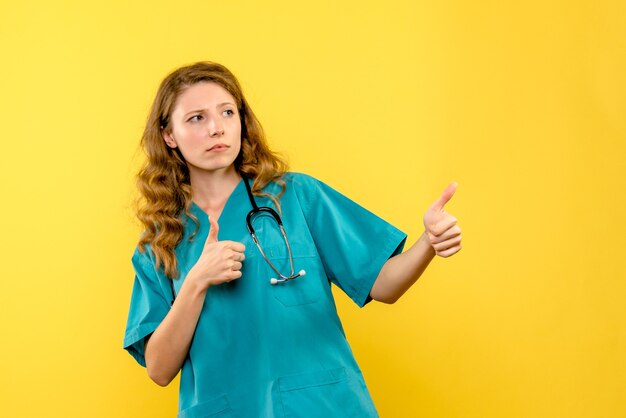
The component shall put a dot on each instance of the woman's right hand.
(220, 261)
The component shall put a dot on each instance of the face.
(206, 128)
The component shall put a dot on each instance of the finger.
(443, 246)
(445, 196)
(234, 245)
(232, 256)
(450, 251)
(213, 231)
(455, 231)
(442, 226)
(234, 274)
(236, 265)
(237, 256)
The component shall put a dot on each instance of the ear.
(169, 139)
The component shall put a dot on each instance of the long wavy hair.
(163, 181)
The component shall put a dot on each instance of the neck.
(211, 190)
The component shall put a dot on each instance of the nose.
(215, 127)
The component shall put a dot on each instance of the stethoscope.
(256, 210)
(264, 209)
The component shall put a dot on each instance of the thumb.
(213, 231)
(445, 196)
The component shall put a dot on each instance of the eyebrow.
(200, 110)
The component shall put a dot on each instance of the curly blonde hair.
(163, 181)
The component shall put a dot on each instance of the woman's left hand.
(441, 227)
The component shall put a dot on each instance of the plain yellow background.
(522, 103)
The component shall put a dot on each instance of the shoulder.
(309, 191)
(300, 188)
(143, 258)
(300, 181)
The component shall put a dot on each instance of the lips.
(218, 147)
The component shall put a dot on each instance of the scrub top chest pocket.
(303, 290)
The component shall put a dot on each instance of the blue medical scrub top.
(263, 350)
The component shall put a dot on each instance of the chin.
(215, 166)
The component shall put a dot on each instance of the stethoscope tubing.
(256, 210)
(265, 209)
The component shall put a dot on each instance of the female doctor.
(233, 272)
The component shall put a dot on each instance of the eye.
(232, 112)
(195, 118)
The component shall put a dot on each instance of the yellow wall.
(522, 103)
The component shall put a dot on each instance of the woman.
(253, 326)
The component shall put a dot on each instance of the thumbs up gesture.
(220, 261)
(441, 227)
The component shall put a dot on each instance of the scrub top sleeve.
(353, 243)
(148, 306)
